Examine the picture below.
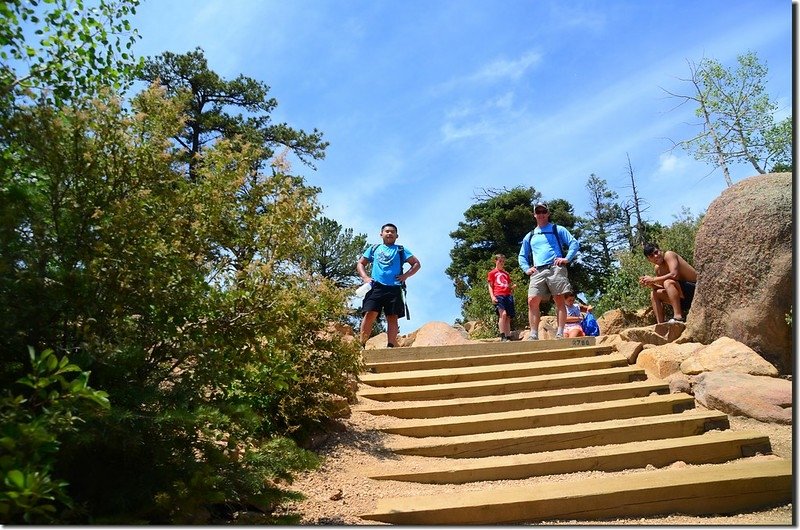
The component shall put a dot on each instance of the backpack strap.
(558, 239)
(526, 244)
(559, 250)
(402, 252)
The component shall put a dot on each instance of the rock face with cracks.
(743, 257)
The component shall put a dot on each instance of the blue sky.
(426, 103)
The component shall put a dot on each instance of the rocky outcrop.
(766, 399)
(727, 354)
(743, 257)
(664, 361)
(615, 320)
(440, 334)
(657, 334)
(725, 375)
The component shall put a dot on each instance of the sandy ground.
(338, 492)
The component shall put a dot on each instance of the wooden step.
(526, 400)
(529, 419)
(608, 376)
(501, 371)
(381, 367)
(733, 487)
(710, 448)
(474, 348)
(544, 439)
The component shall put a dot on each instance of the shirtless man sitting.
(672, 284)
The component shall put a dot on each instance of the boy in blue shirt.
(387, 278)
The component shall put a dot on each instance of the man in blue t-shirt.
(387, 278)
(542, 259)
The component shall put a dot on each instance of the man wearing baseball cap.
(542, 258)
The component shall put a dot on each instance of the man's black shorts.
(388, 298)
(688, 296)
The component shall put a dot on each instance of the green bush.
(621, 290)
(33, 421)
(187, 300)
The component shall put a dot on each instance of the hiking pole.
(405, 304)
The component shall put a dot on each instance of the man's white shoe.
(532, 337)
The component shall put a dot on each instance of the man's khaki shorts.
(549, 282)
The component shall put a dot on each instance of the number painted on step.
(580, 342)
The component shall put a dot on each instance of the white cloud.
(505, 69)
(669, 164)
(481, 119)
(500, 70)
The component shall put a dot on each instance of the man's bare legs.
(392, 328)
(561, 308)
(669, 294)
(366, 325)
(534, 315)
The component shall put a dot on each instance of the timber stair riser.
(727, 488)
(529, 419)
(529, 400)
(514, 411)
(503, 371)
(485, 360)
(568, 436)
(472, 350)
(709, 448)
(608, 376)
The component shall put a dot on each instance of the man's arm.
(671, 259)
(574, 246)
(524, 251)
(415, 266)
(361, 268)
(657, 282)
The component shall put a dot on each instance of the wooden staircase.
(515, 410)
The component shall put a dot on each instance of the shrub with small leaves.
(44, 406)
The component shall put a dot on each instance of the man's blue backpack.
(589, 325)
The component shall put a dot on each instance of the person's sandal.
(674, 320)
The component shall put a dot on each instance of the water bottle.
(362, 291)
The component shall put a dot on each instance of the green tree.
(62, 50)
(215, 361)
(680, 235)
(334, 251)
(738, 117)
(209, 105)
(495, 224)
(780, 138)
(603, 233)
(621, 290)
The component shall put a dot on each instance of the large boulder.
(615, 320)
(727, 354)
(440, 334)
(657, 334)
(743, 257)
(767, 399)
(663, 361)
